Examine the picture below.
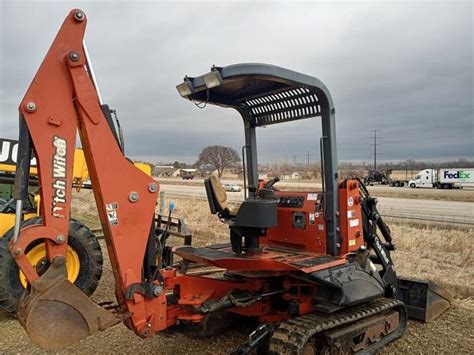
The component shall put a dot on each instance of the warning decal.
(111, 209)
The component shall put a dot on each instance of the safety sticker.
(352, 242)
(321, 227)
(312, 197)
(350, 202)
(111, 209)
(354, 222)
(311, 218)
(351, 214)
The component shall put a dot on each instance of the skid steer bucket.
(424, 300)
(55, 313)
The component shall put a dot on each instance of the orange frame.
(66, 102)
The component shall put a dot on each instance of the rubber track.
(291, 336)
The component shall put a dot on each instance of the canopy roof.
(264, 94)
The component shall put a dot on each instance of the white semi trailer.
(443, 178)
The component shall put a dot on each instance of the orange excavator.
(312, 269)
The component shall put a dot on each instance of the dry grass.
(84, 208)
(206, 227)
(424, 250)
(437, 253)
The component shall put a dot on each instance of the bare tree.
(219, 156)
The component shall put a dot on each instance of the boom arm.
(60, 101)
(80, 172)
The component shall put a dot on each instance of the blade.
(55, 313)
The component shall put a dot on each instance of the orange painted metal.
(310, 238)
(193, 291)
(313, 236)
(67, 103)
(52, 94)
(271, 259)
(29, 235)
(350, 219)
(66, 100)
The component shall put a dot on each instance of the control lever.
(269, 184)
(267, 191)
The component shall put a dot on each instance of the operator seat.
(248, 222)
(217, 198)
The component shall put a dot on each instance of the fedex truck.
(443, 178)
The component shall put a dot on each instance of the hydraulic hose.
(22, 175)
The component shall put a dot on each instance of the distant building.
(293, 176)
(163, 170)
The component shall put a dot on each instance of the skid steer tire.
(82, 241)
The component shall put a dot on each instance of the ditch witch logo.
(459, 174)
(59, 176)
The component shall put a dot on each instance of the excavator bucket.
(55, 313)
(424, 300)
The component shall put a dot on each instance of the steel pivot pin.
(30, 106)
(74, 56)
(79, 16)
(59, 261)
(133, 197)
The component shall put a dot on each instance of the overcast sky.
(404, 68)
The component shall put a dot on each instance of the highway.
(434, 210)
(414, 209)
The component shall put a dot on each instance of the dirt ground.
(453, 332)
(438, 253)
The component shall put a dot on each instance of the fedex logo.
(462, 175)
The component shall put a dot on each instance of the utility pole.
(308, 157)
(375, 137)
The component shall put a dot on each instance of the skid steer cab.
(314, 265)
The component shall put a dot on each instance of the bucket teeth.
(55, 313)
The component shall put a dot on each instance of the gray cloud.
(403, 68)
